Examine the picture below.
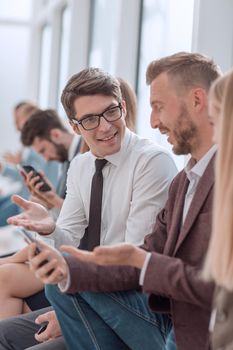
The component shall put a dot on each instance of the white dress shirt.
(194, 172)
(73, 147)
(135, 187)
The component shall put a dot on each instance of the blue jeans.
(116, 321)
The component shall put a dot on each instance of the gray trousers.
(17, 333)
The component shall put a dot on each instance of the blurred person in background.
(219, 261)
(46, 134)
(25, 156)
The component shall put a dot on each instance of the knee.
(6, 334)
(6, 272)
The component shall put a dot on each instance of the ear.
(56, 135)
(75, 128)
(199, 99)
(124, 110)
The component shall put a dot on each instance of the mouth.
(108, 138)
(166, 132)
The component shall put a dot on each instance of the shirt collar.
(199, 168)
(73, 147)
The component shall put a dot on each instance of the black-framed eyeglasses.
(92, 121)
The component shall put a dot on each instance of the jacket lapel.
(177, 214)
(204, 186)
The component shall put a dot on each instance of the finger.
(19, 221)
(38, 260)
(33, 180)
(31, 251)
(47, 270)
(44, 336)
(77, 253)
(21, 202)
(38, 186)
(103, 250)
(42, 318)
(56, 276)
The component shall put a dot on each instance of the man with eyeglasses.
(136, 176)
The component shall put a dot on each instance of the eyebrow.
(156, 102)
(93, 114)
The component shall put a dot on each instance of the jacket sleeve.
(94, 278)
(172, 278)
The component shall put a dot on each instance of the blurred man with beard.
(45, 132)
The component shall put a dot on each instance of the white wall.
(20, 55)
(213, 30)
(14, 48)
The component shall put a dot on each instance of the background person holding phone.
(25, 156)
(22, 292)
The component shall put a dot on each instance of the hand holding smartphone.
(42, 328)
(27, 169)
(29, 239)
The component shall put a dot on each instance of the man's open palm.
(34, 216)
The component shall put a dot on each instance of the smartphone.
(29, 239)
(42, 328)
(28, 168)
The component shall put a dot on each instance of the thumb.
(69, 249)
(42, 318)
(21, 202)
(77, 253)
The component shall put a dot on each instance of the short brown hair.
(40, 125)
(187, 69)
(90, 81)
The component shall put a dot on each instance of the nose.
(154, 120)
(104, 124)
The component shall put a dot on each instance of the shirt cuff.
(144, 268)
(64, 285)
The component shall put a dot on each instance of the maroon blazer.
(173, 275)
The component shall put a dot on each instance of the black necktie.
(91, 238)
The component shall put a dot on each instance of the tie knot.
(99, 164)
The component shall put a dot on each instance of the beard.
(185, 133)
(61, 152)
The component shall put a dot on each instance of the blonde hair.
(130, 98)
(186, 70)
(219, 260)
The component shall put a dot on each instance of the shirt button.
(221, 317)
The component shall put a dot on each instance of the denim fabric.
(103, 321)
